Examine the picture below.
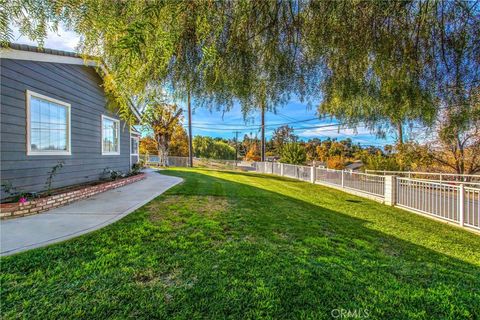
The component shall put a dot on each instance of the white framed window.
(48, 125)
(134, 145)
(110, 136)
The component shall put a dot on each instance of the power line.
(236, 146)
(334, 126)
(284, 116)
(247, 127)
(272, 125)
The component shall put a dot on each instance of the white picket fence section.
(471, 208)
(472, 180)
(176, 161)
(438, 199)
(456, 203)
(368, 183)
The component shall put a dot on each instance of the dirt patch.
(172, 279)
(174, 207)
(281, 235)
(145, 277)
(389, 249)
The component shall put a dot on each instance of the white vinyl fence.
(455, 178)
(471, 208)
(177, 161)
(172, 161)
(198, 162)
(457, 203)
(427, 197)
(368, 183)
(298, 172)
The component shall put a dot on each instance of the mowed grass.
(247, 246)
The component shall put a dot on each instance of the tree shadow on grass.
(265, 255)
(352, 265)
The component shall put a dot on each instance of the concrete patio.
(73, 220)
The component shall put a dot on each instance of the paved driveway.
(20, 234)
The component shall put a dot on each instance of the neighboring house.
(354, 166)
(272, 158)
(53, 108)
(316, 163)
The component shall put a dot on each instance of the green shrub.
(293, 153)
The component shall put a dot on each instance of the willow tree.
(220, 51)
(456, 142)
(374, 73)
(370, 62)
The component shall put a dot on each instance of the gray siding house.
(53, 108)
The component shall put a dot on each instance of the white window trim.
(105, 153)
(68, 152)
(138, 144)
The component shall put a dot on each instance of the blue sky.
(301, 117)
(218, 124)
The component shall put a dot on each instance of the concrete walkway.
(73, 220)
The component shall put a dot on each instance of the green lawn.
(238, 245)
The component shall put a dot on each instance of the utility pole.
(400, 133)
(263, 133)
(236, 146)
(190, 150)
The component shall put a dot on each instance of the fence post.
(265, 167)
(281, 169)
(461, 203)
(390, 190)
(342, 179)
(313, 172)
(272, 166)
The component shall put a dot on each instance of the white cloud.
(60, 40)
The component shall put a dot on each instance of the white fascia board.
(7, 53)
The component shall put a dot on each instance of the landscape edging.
(34, 206)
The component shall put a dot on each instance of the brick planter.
(17, 209)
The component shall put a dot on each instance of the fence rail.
(471, 208)
(328, 176)
(469, 179)
(457, 203)
(364, 182)
(432, 198)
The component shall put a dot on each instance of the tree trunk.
(263, 134)
(162, 144)
(461, 156)
(162, 156)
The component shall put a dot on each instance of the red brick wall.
(43, 204)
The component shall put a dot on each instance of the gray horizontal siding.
(81, 87)
(134, 159)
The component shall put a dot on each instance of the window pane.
(110, 135)
(134, 144)
(48, 125)
(35, 141)
(35, 111)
